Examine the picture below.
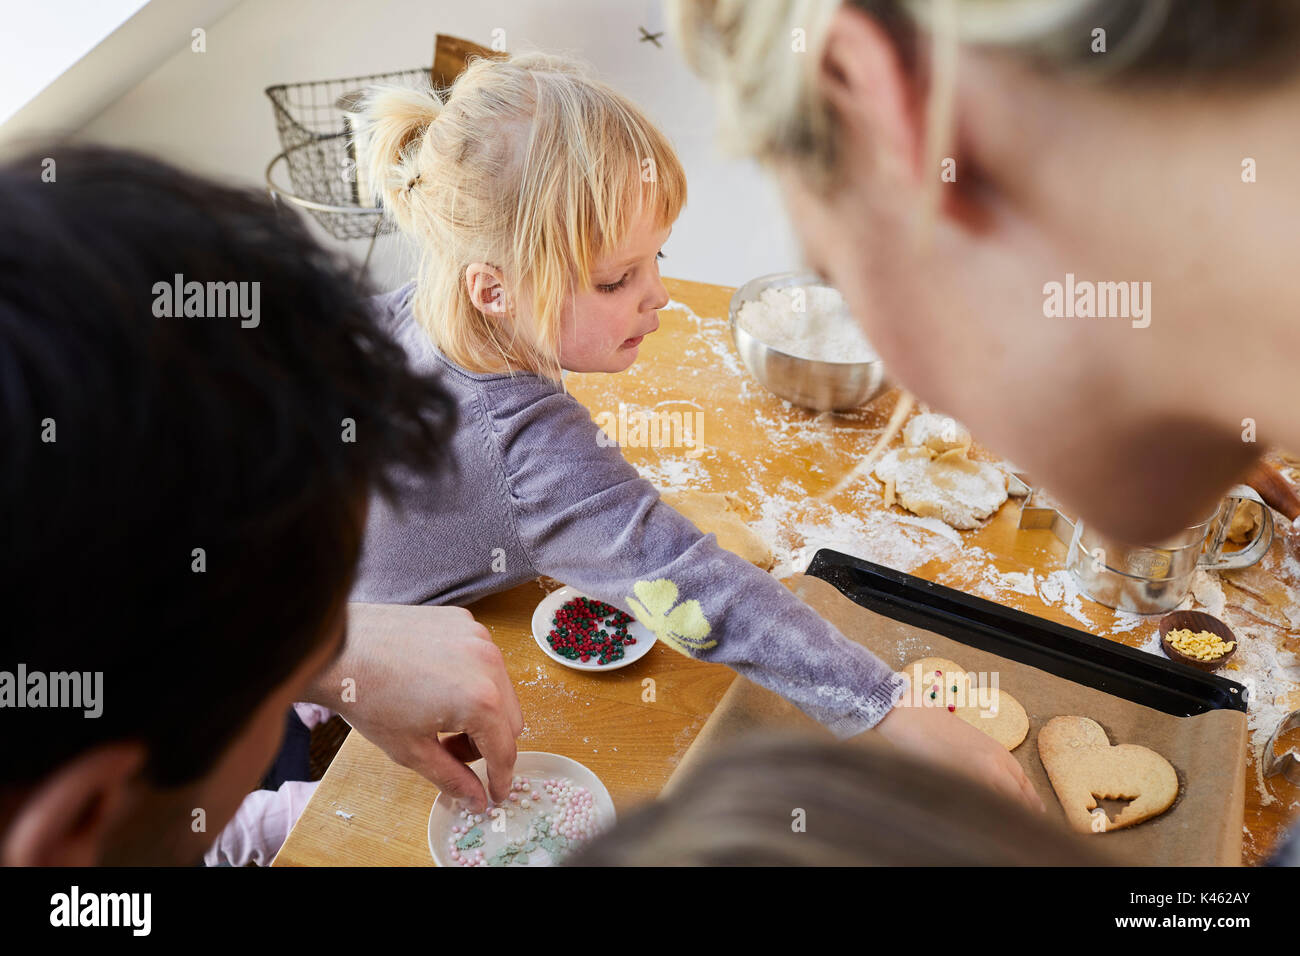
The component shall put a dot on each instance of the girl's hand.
(933, 734)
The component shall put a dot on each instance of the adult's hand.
(933, 734)
(427, 686)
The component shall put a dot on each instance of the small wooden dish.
(1196, 621)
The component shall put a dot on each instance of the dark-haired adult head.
(194, 406)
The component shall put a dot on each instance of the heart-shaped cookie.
(937, 682)
(1085, 768)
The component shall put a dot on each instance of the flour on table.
(1271, 676)
(1054, 585)
(1207, 591)
(1126, 621)
(719, 346)
(1020, 582)
(796, 530)
(1061, 590)
(673, 474)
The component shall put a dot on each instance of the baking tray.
(1067, 652)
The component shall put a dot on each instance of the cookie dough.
(938, 433)
(1246, 519)
(947, 684)
(725, 516)
(1085, 768)
(931, 475)
(949, 486)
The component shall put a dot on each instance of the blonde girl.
(540, 199)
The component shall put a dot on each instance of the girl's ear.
(862, 77)
(486, 287)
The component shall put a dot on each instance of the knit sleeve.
(587, 518)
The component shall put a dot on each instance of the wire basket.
(316, 148)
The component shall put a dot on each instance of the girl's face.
(602, 327)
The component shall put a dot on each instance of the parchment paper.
(1203, 827)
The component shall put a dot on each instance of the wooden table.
(370, 811)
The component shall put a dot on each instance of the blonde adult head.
(771, 106)
(953, 166)
(533, 167)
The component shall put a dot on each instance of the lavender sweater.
(534, 493)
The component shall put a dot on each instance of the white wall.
(41, 41)
(62, 62)
(207, 111)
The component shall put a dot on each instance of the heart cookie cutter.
(1287, 764)
(1146, 579)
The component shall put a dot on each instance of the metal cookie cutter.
(1288, 764)
(1141, 578)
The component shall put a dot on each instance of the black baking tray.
(1064, 651)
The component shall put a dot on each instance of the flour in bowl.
(808, 321)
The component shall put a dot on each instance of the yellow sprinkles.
(1199, 645)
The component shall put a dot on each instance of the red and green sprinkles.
(934, 692)
(583, 629)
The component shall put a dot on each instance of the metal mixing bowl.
(819, 386)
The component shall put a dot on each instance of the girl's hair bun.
(389, 134)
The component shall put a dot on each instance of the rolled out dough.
(723, 515)
(932, 477)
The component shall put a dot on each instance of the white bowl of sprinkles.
(555, 805)
(544, 620)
